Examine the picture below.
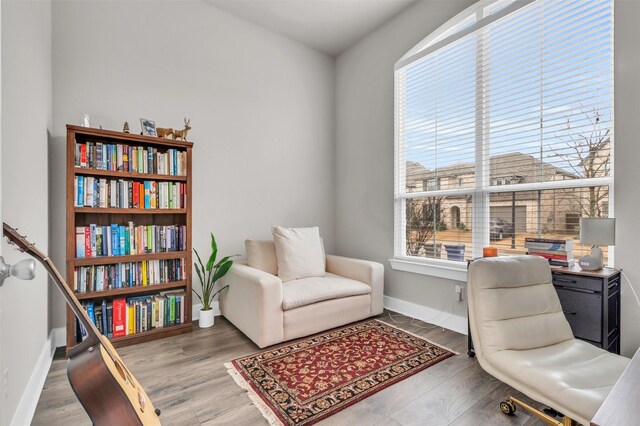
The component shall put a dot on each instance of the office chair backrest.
(513, 305)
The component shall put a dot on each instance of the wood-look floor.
(185, 377)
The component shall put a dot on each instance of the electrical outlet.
(459, 296)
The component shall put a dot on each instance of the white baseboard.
(432, 316)
(29, 400)
(59, 337)
(195, 310)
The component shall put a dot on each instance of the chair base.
(509, 407)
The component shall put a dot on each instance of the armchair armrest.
(253, 303)
(370, 273)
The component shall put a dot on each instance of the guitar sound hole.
(121, 371)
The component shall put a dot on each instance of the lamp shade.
(598, 231)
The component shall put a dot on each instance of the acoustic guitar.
(105, 387)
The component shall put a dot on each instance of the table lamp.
(596, 231)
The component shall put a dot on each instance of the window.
(504, 128)
(433, 184)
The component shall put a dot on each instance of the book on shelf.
(121, 316)
(128, 158)
(93, 278)
(548, 244)
(90, 312)
(556, 260)
(555, 255)
(562, 263)
(92, 191)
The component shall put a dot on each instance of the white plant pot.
(206, 318)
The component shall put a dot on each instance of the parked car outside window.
(500, 228)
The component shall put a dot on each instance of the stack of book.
(127, 274)
(559, 252)
(120, 193)
(126, 316)
(121, 240)
(126, 158)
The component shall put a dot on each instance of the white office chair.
(522, 338)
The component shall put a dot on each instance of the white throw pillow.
(300, 252)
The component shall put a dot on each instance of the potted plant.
(209, 275)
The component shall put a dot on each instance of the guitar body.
(109, 395)
(104, 386)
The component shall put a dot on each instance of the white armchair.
(521, 337)
(269, 311)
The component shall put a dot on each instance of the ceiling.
(330, 26)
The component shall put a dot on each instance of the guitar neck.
(93, 335)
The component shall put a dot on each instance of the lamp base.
(593, 261)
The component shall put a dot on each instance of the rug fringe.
(264, 409)
(418, 336)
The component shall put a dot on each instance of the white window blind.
(504, 129)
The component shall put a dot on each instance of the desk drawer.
(577, 282)
(584, 313)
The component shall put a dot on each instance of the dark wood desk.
(621, 407)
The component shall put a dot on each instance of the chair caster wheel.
(471, 353)
(553, 413)
(508, 407)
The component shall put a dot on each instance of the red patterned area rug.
(306, 381)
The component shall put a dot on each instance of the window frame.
(482, 14)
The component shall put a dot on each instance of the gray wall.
(627, 172)
(26, 119)
(364, 150)
(261, 108)
(364, 153)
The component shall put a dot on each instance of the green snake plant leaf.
(224, 259)
(198, 296)
(197, 269)
(214, 253)
(221, 289)
(222, 271)
(198, 256)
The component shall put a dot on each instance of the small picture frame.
(148, 127)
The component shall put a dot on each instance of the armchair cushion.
(262, 255)
(518, 304)
(572, 376)
(306, 291)
(299, 252)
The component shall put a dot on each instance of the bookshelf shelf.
(158, 153)
(128, 175)
(156, 333)
(105, 260)
(131, 290)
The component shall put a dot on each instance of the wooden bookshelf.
(79, 216)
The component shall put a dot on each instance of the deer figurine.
(182, 134)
